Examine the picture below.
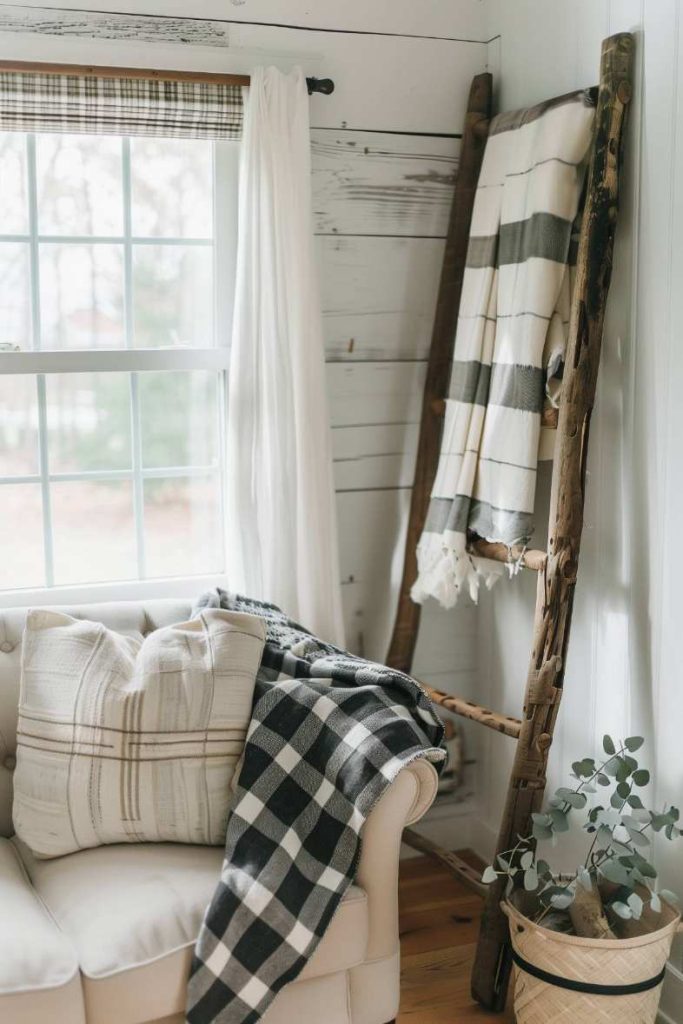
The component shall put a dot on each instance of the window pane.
(179, 418)
(18, 426)
(173, 295)
(172, 188)
(88, 419)
(81, 296)
(93, 531)
(79, 185)
(21, 529)
(183, 535)
(13, 190)
(15, 294)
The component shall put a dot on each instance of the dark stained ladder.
(472, 148)
(557, 566)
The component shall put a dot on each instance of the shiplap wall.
(384, 154)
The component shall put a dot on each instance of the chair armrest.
(405, 801)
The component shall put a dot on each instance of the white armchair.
(105, 936)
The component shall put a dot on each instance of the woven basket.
(594, 962)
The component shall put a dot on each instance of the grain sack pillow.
(123, 740)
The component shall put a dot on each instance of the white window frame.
(133, 361)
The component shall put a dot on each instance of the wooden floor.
(439, 924)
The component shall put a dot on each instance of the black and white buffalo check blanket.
(329, 733)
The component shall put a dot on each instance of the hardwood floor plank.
(439, 922)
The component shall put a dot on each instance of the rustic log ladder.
(557, 566)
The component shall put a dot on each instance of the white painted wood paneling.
(188, 31)
(137, 53)
(371, 471)
(378, 295)
(375, 392)
(465, 19)
(445, 641)
(461, 682)
(376, 183)
(374, 456)
(372, 525)
(371, 530)
(389, 83)
(386, 439)
(655, 481)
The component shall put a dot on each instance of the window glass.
(173, 296)
(179, 419)
(14, 179)
(111, 449)
(81, 296)
(15, 294)
(79, 185)
(18, 426)
(182, 526)
(172, 188)
(93, 529)
(89, 422)
(21, 528)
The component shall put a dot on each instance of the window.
(116, 263)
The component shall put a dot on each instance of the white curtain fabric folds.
(282, 537)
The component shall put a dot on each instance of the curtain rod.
(321, 85)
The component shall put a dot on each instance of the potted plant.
(591, 945)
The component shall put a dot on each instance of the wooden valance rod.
(321, 85)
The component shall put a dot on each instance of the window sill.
(189, 587)
(114, 360)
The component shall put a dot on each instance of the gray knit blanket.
(329, 733)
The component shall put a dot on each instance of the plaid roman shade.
(48, 102)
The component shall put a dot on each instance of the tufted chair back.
(133, 618)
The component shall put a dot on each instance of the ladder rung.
(549, 416)
(476, 713)
(529, 558)
(468, 875)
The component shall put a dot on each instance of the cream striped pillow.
(122, 740)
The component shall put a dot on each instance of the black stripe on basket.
(582, 986)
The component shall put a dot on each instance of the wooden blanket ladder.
(556, 566)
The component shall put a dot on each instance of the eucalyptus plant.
(616, 874)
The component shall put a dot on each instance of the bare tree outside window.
(111, 456)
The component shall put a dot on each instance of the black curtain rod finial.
(323, 85)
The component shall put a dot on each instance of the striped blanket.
(509, 343)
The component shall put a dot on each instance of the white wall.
(385, 148)
(623, 667)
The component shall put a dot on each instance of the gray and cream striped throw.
(509, 342)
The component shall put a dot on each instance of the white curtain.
(282, 536)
